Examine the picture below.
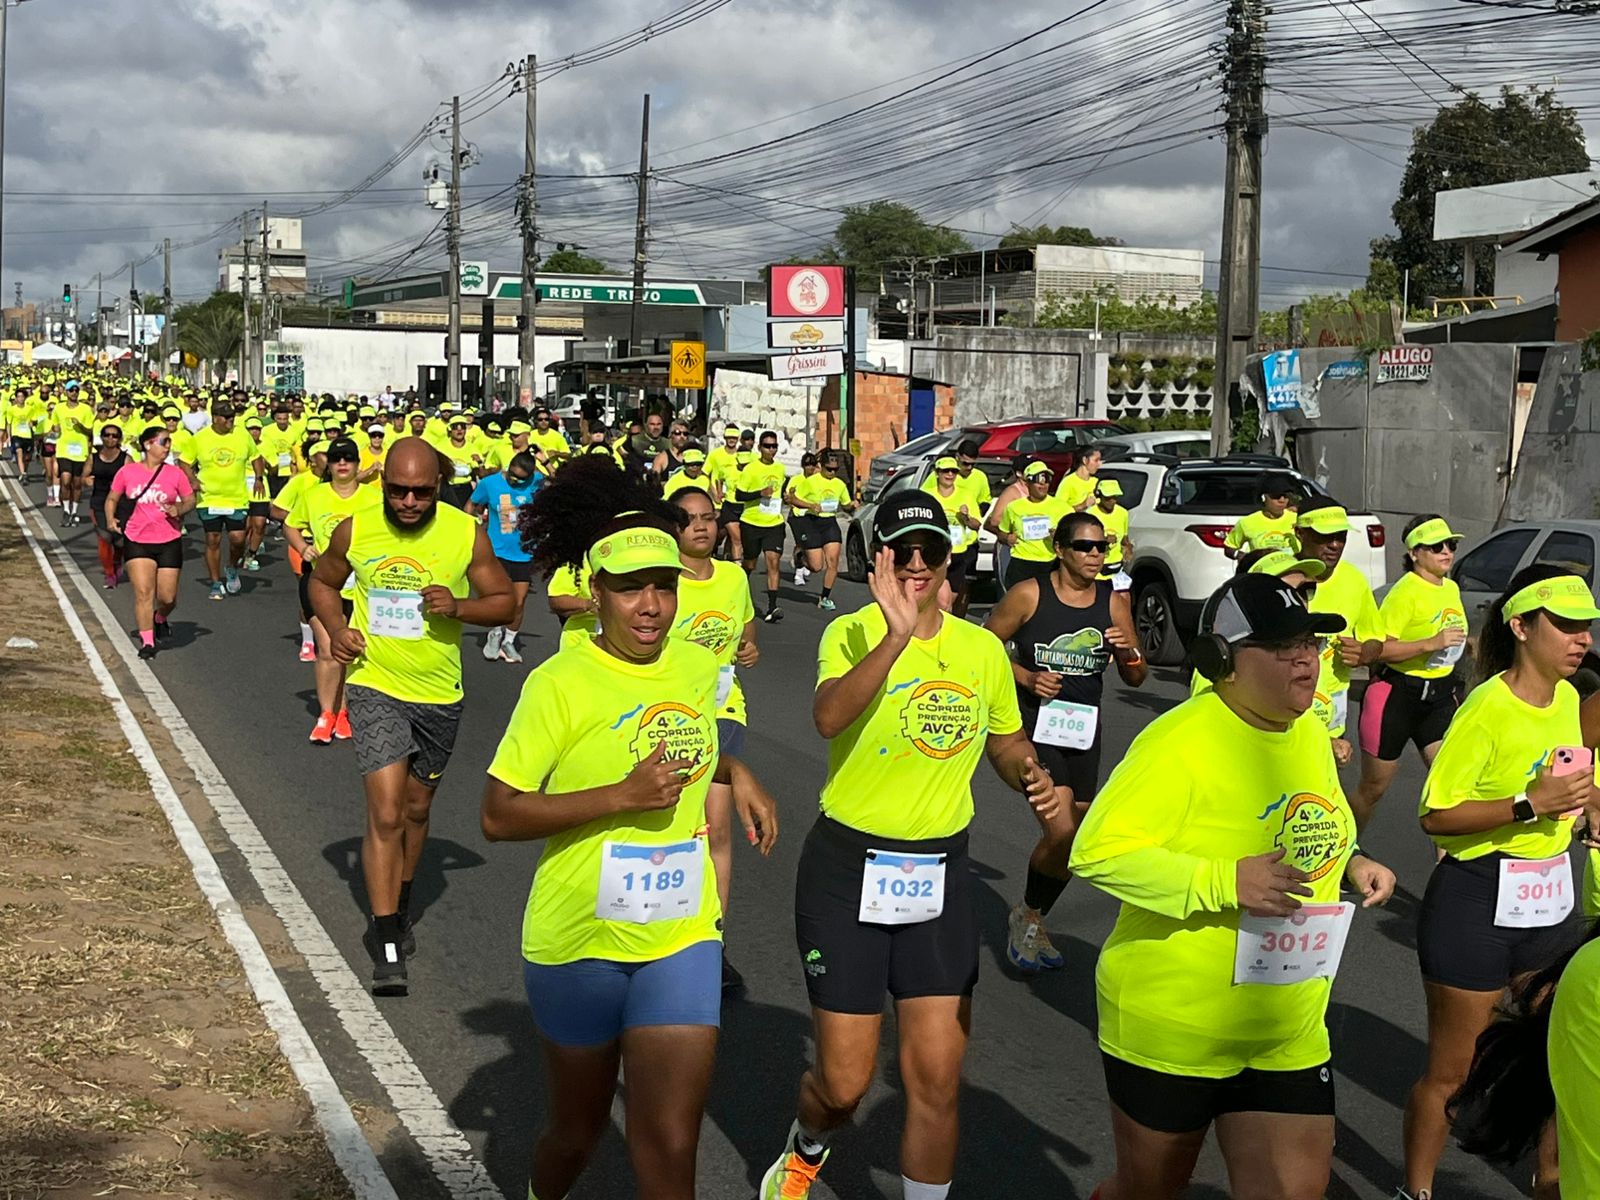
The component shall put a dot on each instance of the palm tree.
(213, 335)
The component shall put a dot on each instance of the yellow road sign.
(688, 368)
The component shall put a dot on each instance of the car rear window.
(1133, 485)
(1222, 491)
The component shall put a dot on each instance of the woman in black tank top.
(1065, 630)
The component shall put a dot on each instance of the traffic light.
(66, 293)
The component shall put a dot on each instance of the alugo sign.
(1404, 364)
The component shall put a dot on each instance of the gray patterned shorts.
(388, 731)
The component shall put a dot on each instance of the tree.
(876, 237)
(572, 262)
(1148, 314)
(1473, 144)
(212, 330)
(1059, 235)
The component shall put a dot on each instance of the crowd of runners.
(1225, 831)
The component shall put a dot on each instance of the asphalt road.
(1033, 1110)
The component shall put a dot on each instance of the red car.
(1049, 439)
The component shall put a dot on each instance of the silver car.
(890, 463)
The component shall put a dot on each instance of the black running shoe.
(732, 981)
(147, 652)
(388, 964)
(773, 616)
(163, 630)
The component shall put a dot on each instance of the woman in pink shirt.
(160, 493)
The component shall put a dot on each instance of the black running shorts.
(849, 964)
(388, 731)
(167, 555)
(759, 539)
(1458, 943)
(1186, 1103)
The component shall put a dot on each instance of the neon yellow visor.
(1281, 562)
(1324, 520)
(641, 548)
(1565, 596)
(1431, 533)
(1109, 488)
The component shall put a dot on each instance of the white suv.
(1179, 513)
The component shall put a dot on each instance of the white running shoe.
(491, 644)
(801, 574)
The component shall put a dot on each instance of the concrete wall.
(1524, 275)
(361, 360)
(1556, 472)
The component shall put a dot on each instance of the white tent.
(49, 352)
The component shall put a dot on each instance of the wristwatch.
(1522, 808)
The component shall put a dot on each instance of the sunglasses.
(344, 457)
(1308, 643)
(769, 445)
(933, 553)
(680, 433)
(515, 478)
(1449, 544)
(1088, 546)
(399, 491)
(160, 441)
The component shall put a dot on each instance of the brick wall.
(883, 403)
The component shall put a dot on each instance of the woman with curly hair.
(608, 757)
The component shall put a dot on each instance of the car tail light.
(1376, 537)
(1211, 535)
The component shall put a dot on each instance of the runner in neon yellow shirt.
(608, 758)
(759, 488)
(224, 460)
(1225, 834)
(1028, 526)
(75, 423)
(1077, 485)
(1500, 802)
(715, 611)
(1323, 532)
(817, 501)
(1270, 528)
(416, 564)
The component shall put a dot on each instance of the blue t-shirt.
(502, 500)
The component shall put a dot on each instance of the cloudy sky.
(133, 120)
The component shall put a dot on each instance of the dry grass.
(133, 1060)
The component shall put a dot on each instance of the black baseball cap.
(1262, 609)
(1278, 483)
(908, 512)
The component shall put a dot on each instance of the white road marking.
(415, 1102)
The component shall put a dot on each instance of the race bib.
(958, 534)
(1122, 582)
(724, 684)
(395, 614)
(463, 470)
(1534, 892)
(1292, 949)
(1448, 657)
(74, 450)
(641, 884)
(24, 429)
(1035, 529)
(901, 889)
(1063, 723)
(285, 460)
(221, 512)
(829, 506)
(772, 505)
(1340, 702)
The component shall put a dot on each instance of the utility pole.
(134, 312)
(526, 341)
(246, 353)
(266, 297)
(1239, 280)
(3, 7)
(99, 311)
(641, 227)
(166, 303)
(452, 381)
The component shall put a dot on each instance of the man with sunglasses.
(670, 460)
(546, 440)
(224, 462)
(1272, 526)
(497, 501)
(1323, 532)
(759, 489)
(416, 564)
(1067, 628)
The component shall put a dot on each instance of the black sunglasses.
(343, 456)
(933, 553)
(399, 491)
(1088, 546)
(1449, 544)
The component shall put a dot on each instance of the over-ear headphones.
(1212, 656)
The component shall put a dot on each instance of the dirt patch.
(133, 1058)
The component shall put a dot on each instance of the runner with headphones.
(1412, 696)
(1225, 834)
(1499, 802)
(1065, 630)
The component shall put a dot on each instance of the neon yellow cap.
(1566, 596)
(641, 548)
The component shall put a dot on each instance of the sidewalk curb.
(449, 1154)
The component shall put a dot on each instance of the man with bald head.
(417, 565)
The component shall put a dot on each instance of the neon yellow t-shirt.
(960, 536)
(424, 669)
(1115, 523)
(756, 477)
(830, 494)
(222, 462)
(713, 613)
(976, 485)
(1345, 593)
(1034, 522)
(1416, 610)
(281, 449)
(1076, 490)
(1198, 790)
(550, 441)
(291, 491)
(679, 480)
(722, 465)
(183, 445)
(319, 509)
(583, 721)
(1574, 1046)
(1495, 747)
(1257, 531)
(76, 422)
(580, 627)
(903, 768)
